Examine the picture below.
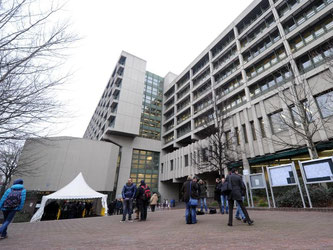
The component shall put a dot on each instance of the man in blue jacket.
(128, 194)
(11, 202)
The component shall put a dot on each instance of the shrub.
(290, 198)
(320, 196)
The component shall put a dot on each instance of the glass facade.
(145, 167)
(150, 124)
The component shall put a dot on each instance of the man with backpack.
(144, 195)
(11, 202)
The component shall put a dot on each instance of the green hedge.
(320, 197)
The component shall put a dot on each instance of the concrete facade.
(57, 161)
(290, 41)
(118, 118)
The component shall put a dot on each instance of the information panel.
(257, 181)
(282, 176)
(316, 171)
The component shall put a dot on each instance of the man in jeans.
(203, 196)
(190, 189)
(128, 194)
(11, 202)
(224, 200)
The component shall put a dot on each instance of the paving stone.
(167, 230)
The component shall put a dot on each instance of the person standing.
(224, 199)
(217, 193)
(128, 194)
(144, 196)
(190, 189)
(203, 195)
(236, 184)
(153, 202)
(11, 202)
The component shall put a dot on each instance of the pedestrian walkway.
(167, 230)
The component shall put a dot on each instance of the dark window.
(245, 133)
(162, 168)
(171, 165)
(262, 127)
(237, 136)
(253, 130)
(186, 160)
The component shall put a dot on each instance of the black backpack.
(13, 200)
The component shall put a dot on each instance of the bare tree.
(9, 165)
(32, 48)
(217, 150)
(298, 114)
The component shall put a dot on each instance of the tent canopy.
(75, 190)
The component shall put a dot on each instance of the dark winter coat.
(238, 187)
(194, 190)
(141, 193)
(129, 191)
(203, 190)
(217, 192)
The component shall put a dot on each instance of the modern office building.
(270, 47)
(129, 115)
(156, 125)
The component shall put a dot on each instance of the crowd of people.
(227, 191)
(56, 210)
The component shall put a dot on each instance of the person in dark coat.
(237, 185)
(190, 186)
(217, 193)
(203, 195)
(143, 201)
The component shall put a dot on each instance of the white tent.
(75, 190)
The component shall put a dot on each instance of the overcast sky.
(169, 35)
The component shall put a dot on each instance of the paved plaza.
(167, 230)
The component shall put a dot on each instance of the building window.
(262, 127)
(162, 168)
(145, 166)
(325, 104)
(278, 122)
(237, 136)
(297, 121)
(150, 125)
(171, 165)
(245, 133)
(186, 160)
(204, 153)
(253, 130)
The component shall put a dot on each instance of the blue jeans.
(190, 209)
(7, 219)
(202, 203)
(224, 202)
(128, 208)
(239, 212)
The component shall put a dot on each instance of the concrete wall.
(59, 160)
(131, 95)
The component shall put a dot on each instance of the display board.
(317, 171)
(282, 175)
(257, 181)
